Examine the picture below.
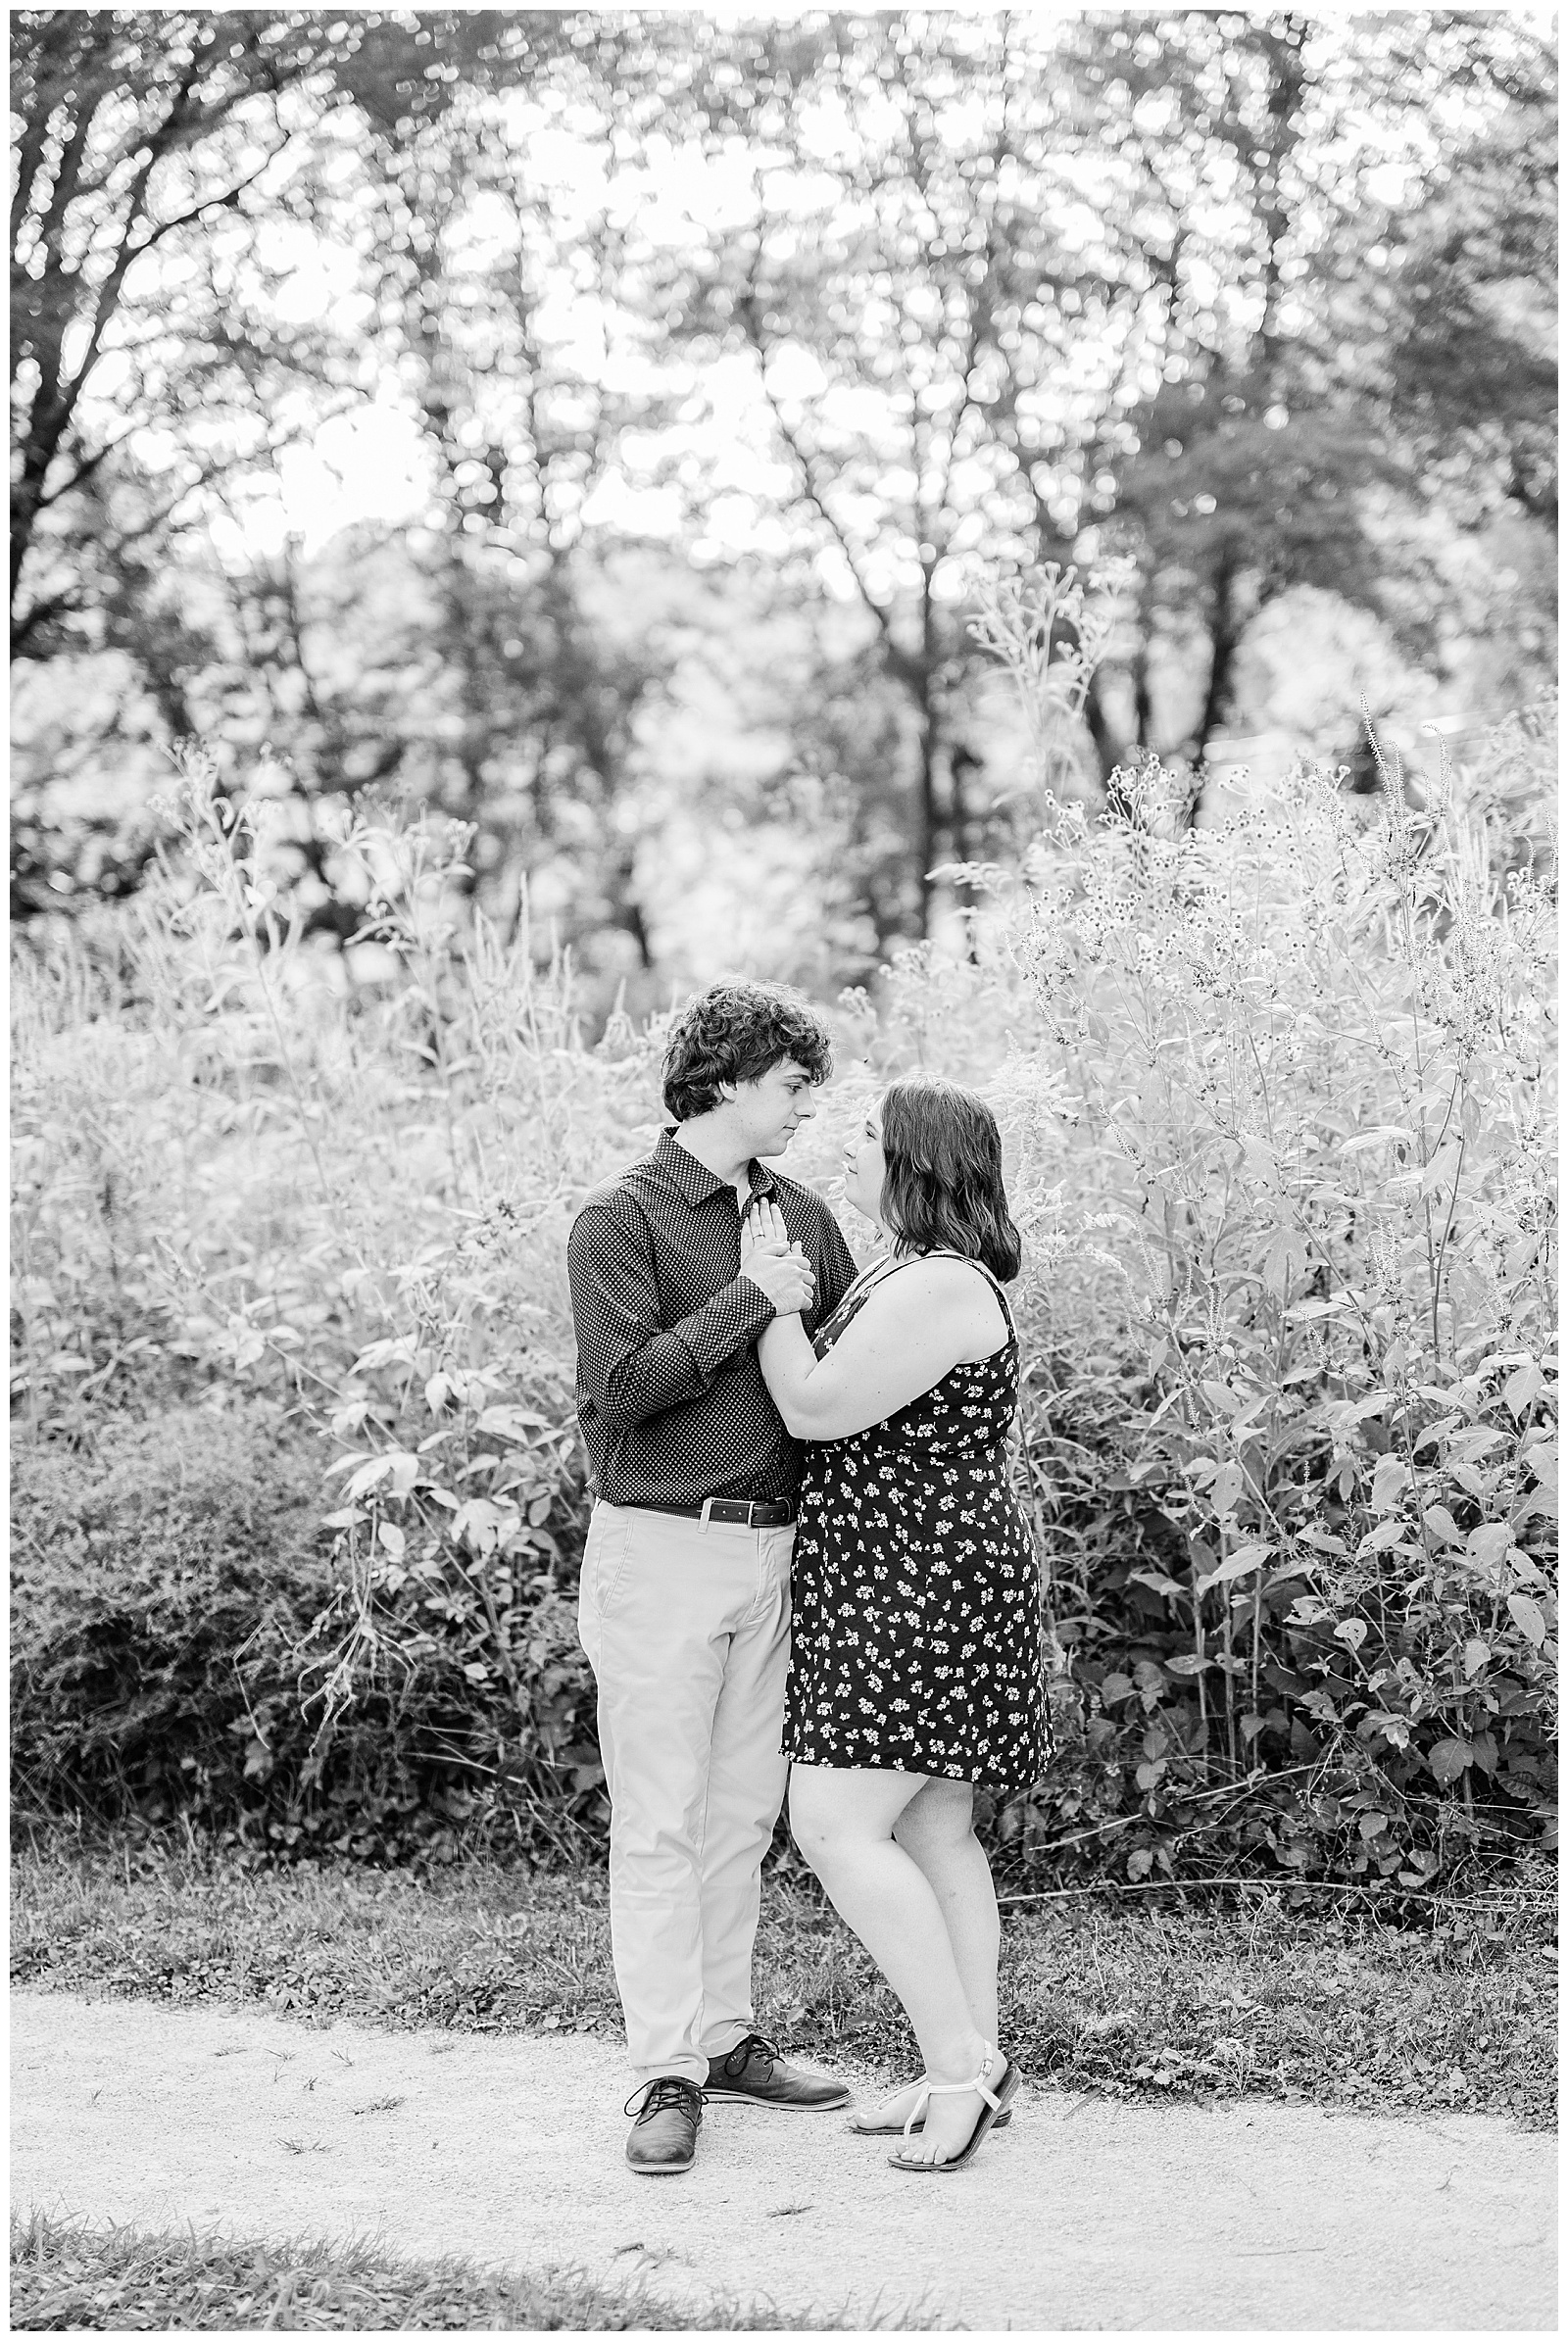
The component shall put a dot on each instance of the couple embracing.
(760, 1419)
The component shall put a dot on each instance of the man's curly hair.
(738, 1032)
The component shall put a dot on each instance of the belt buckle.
(734, 1504)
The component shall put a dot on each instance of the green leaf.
(513, 1422)
(1240, 1563)
(1523, 1388)
(1447, 1758)
(1227, 1489)
(1285, 1260)
(1527, 1616)
(1442, 1523)
(1388, 1483)
(1386, 1134)
(1445, 1162)
(1488, 1543)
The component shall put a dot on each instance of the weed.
(72, 2277)
(1147, 1997)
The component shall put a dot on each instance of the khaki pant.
(687, 1630)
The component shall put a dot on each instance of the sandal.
(917, 2121)
(989, 2112)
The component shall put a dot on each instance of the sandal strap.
(929, 2089)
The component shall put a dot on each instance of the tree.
(152, 368)
(1473, 289)
(1279, 449)
(1055, 287)
(913, 292)
(149, 147)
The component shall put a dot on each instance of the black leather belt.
(727, 1509)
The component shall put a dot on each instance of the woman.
(916, 1667)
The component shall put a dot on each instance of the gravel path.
(1086, 2214)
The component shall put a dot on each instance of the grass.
(1166, 1998)
(73, 2277)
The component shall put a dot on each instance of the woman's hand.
(777, 1267)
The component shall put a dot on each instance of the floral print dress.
(915, 1641)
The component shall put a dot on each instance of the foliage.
(163, 1575)
(1291, 1436)
(1471, 360)
(402, 1291)
(158, 147)
(871, 331)
(1286, 1990)
(1277, 1101)
(70, 2276)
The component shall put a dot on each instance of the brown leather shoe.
(663, 2137)
(752, 2072)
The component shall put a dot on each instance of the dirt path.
(1086, 2214)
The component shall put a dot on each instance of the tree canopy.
(837, 315)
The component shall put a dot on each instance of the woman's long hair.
(943, 1188)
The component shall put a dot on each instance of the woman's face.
(865, 1166)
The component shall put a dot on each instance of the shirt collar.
(695, 1180)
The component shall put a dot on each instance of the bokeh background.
(596, 424)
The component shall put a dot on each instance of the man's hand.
(777, 1267)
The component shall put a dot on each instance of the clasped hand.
(777, 1267)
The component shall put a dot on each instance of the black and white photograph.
(783, 1126)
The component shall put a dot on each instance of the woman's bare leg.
(936, 1828)
(843, 1823)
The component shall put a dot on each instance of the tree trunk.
(1282, 44)
(1225, 634)
(928, 823)
(927, 814)
(962, 762)
(1143, 690)
(1107, 748)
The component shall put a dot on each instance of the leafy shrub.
(167, 1581)
(1291, 1427)
(1276, 1099)
(355, 1202)
(159, 1577)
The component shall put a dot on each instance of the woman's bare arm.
(917, 1324)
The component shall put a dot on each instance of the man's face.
(774, 1106)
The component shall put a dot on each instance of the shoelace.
(669, 2093)
(740, 2055)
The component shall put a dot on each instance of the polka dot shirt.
(669, 1393)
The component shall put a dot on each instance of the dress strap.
(945, 1252)
(867, 1282)
(890, 1264)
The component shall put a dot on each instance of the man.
(684, 1609)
